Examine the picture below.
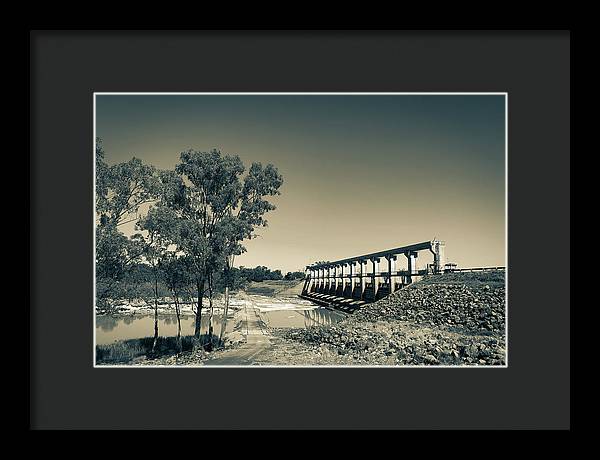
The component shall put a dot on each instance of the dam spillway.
(352, 282)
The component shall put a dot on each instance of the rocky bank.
(451, 319)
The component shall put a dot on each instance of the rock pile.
(449, 319)
(474, 305)
(400, 343)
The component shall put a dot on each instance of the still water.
(112, 328)
(274, 313)
(300, 318)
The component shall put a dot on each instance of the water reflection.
(106, 323)
(321, 316)
(276, 313)
(112, 328)
(128, 320)
(300, 318)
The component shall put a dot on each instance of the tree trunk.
(198, 327)
(155, 313)
(210, 318)
(178, 313)
(224, 319)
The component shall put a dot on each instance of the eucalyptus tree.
(176, 273)
(155, 245)
(218, 207)
(121, 190)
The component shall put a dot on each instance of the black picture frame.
(67, 67)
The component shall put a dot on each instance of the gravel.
(453, 319)
(470, 301)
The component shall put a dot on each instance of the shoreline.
(457, 321)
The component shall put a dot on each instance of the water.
(292, 312)
(274, 312)
(300, 318)
(112, 328)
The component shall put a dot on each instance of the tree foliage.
(120, 191)
(218, 208)
(198, 217)
(294, 275)
(122, 188)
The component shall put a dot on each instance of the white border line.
(94, 226)
(110, 93)
(505, 228)
(357, 366)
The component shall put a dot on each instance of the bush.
(294, 276)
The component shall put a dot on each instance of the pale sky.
(361, 173)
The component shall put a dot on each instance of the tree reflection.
(128, 319)
(106, 323)
(320, 316)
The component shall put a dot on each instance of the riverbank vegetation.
(132, 350)
(191, 223)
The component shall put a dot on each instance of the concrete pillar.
(351, 276)
(412, 264)
(374, 279)
(342, 278)
(392, 272)
(334, 281)
(321, 278)
(363, 277)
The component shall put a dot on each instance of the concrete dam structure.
(350, 283)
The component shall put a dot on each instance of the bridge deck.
(401, 250)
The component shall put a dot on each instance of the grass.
(125, 351)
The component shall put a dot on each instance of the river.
(290, 312)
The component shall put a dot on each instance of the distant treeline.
(143, 273)
(262, 273)
(138, 282)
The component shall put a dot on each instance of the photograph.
(300, 229)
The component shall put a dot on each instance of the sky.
(362, 173)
